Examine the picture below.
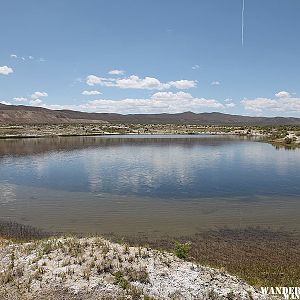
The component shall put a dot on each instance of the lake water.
(151, 184)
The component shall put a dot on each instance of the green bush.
(120, 280)
(182, 250)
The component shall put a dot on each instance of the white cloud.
(159, 102)
(90, 93)
(135, 82)
(5, 102)
(195, 67)
(24, 58)
(33, 100)
(116, 72)
(37, 95)
(283, 102)
(283, 94)
(20, 99)
(229, 105)
(93, 80)
(36, 102)
(215, 83)
(259, 104)
(5, 70)
(183, 84)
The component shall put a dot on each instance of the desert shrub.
(137, 275)
(120, 280)
(182, 250)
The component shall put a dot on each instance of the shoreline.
(280, 136)
(276, 143)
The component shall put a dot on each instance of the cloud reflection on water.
(189, 167)
(7, 193)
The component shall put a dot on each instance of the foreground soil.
(95, 268)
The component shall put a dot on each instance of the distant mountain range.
(19, 114)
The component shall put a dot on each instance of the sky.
(138, 56)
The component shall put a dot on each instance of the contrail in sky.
(243, 9)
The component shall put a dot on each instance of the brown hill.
(19, 114)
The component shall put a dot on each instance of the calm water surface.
(152, 184)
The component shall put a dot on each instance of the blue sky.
(166, 56)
